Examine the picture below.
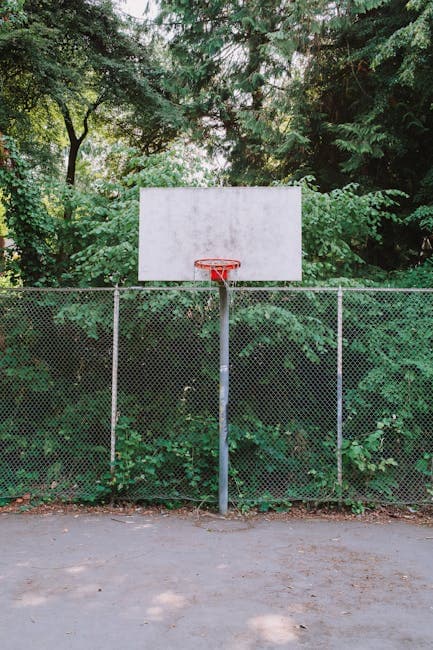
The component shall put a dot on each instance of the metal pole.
(340, 386)
(114, 377)
(223, 400)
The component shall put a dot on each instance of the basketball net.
(222, 271)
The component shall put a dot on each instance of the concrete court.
(114, 582)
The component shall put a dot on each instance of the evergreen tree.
(235, 61)
(340, 92)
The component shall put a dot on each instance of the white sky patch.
(138, 8)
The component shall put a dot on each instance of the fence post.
(339, 386)
(114, 376)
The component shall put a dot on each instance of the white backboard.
(260, 226)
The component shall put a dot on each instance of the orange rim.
(217, 264)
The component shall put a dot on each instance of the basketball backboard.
(259, 226)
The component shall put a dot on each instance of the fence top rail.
(340, 288)
(55, 289)
(239, 289)
(208, 287)
(390, 289)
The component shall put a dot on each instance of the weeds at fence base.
(368, 513)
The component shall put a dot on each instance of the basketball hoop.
(218, 267)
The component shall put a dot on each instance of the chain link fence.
(330, 394)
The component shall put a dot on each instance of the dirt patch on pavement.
(379, 515)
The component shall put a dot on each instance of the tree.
(235, 62)
(367, 98)
(365, 101)
(78, 56)
(63, 63)
(28, 221)
(340, 92)
(107, 226)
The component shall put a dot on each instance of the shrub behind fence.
(329, 394)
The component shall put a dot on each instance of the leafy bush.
(55, 382)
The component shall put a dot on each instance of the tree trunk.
(65, 249)
(74, 148)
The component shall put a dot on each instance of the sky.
(137, 7)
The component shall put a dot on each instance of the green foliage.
(425, 466)
(387, 344)
(176, 463)
(11, 14)
(364, 105)
(339, 225)
(27, 220)
(234, 63)
(423, 215)
(292, 90)
(55, 374)
(368, 472)
(53, 430)
(280, 91)
(182, 462)
(361, 141)
(106, 218)
(101, 236)
(410, 43)
(66, 73)
(420, 276)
